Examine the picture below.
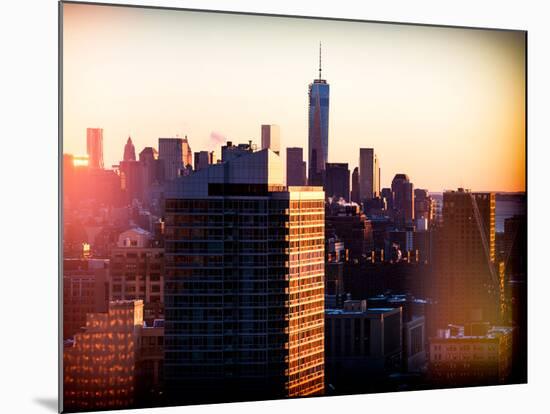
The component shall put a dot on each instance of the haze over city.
(445, 106)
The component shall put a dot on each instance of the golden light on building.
(81, 161)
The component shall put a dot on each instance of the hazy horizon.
(444, 105)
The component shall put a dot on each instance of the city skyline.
(490, 59)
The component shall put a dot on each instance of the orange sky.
(446, 106)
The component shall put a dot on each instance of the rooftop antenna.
(320, 61)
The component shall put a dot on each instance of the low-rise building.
(479, 356)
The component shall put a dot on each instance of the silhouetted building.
(465, 281)
(129, 151)
(319, 93)
(94, 147)
(203, 159)
(230, 151)
(362, 344)
(349, 224)
(387, 195)
(271, 138)
(403, 200)
(244, 313)
(176, 155)
(369, 179)
(355, 193)
(422, 209)
(132, 180)
(295, 167)
(337, 181)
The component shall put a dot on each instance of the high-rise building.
(337, 181)
(403, 200)
(295, 167)
(203, 159)
(94, 147)
(244, 308)
(131, 180)
(319, 94)
(129, 151)
(187, 153)
(355, 194)
(99, 364)
(172, 156)
(369, 178)
(137, 271)
(423, 206)
(271, 138)
(466, 284)
(377, 178)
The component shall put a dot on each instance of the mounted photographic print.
(259, 207)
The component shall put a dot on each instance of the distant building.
(85, 290)
(152, 174)
(271, 138)
(230, 151)
(132, 180)
(129, 151)
(475, 358)
(361, 344)
(295, 167)
(367, 173)
(94, 147)
(423, 211)
(267, 341)
(466, 282)
(203, 159)
(337, 181)
(137, 272)
(403, 200)
(319, 95)
(176, 155)
(349, 224)
(355, 192)
(99, 364)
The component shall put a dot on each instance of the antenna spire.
(320, 77)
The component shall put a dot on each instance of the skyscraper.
(337, 181)
(94, 147)
(171, 155)
(403, 200)
(355, 195)
(244, 313)
(369, 174)
(187, 154)
(319, 92)
(295, 167)
(271, 138)
(465, 282)
(129, 151)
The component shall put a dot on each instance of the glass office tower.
(319, 92)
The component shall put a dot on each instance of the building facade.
(137, 272)
(99, 365)
(337, 181)
(295, 167)
(465, 283)
(271, 138)
(244, 283)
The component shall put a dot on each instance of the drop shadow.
(49, 403)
